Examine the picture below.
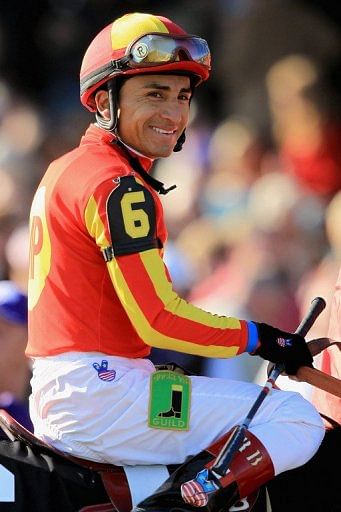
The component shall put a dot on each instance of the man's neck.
(132, 150)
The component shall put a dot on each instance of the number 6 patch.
(131, 217)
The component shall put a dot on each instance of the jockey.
(100, 295)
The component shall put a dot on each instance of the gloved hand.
(283, 347)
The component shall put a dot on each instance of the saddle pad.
(144, 480)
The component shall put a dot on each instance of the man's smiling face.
(153, 112)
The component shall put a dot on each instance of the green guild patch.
(169, 402)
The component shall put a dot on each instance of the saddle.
(120, 483)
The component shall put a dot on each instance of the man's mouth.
(162, 131)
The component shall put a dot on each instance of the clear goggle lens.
(156, 49)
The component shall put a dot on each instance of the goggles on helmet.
(159, 49)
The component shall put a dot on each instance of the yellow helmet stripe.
(131, 26)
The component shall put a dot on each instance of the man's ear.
(102, 104)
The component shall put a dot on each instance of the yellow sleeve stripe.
(148, 334)
(173, 303)
(94, 224)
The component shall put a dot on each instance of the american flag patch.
(104, 373)
(109, 375)
(193, 493)
(196, 491)
(282, 342)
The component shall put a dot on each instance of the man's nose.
(172, 111)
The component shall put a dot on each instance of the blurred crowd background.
(255, 220)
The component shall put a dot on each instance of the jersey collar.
(95, 133)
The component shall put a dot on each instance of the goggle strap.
(120, 64)
(103, 72)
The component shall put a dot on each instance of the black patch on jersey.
(132, 218)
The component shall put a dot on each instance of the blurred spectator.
(319, 281)
(321, 278)
(16, 254)
(235, 156)
(288, 222)
(330, 363)
(251, 35)
(8, 216)
(21, 130)
(15, 372)
(22, 133)
(307, 133)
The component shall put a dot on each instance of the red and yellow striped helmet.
(141, 43)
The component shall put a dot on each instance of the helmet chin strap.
(136, 165)
(110, 125)
(180, 142)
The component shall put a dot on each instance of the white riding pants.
(104, 418)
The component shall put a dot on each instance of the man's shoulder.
(92, 160)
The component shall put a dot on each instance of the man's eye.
(155, 94)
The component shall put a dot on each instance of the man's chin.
(161, 153)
